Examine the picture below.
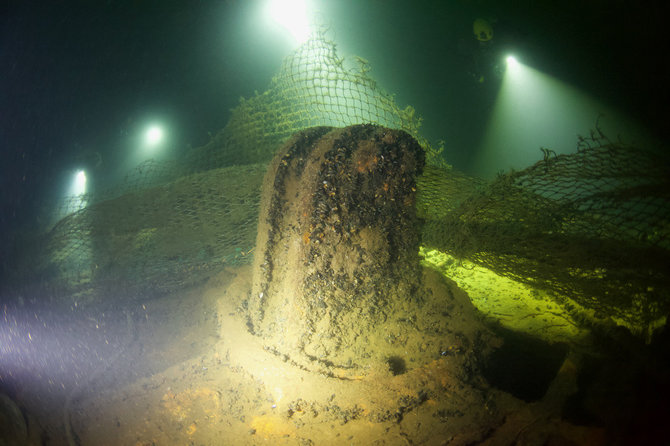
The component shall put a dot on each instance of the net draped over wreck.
(591, 226)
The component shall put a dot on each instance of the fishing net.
(592, 226)
(312, 88)
(170, 224)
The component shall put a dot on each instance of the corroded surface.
(338, 242)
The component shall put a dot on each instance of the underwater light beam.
(512, 63)
(292, 16)
(74, 196)
(534, 110)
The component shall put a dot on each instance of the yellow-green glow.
(521, 307)
(514, 305)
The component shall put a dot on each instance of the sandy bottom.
(190, 373)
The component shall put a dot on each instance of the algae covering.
(337, 245)
(339, 334)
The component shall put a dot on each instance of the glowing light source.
(75, 197)
(153, 136)
(534, 110)
(291, 15)
(79, 184)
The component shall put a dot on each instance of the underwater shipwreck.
(318, 274)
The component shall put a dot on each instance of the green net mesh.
(155, 239)
(173, 223)
(312, 88)
(592, 226)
